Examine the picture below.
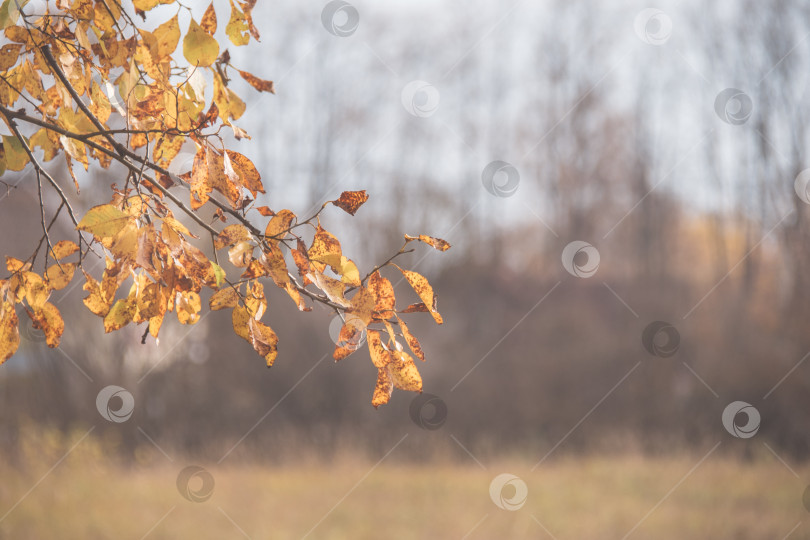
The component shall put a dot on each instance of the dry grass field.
(86, 496)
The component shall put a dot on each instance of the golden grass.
(583, 498)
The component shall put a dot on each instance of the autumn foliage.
(86, 84)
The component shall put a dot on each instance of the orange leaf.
(209, 20)
(9, 331)
(259, 84)
(437, 243)
(248, 174)
(413, 343)
(279, 224)
(383, 388)
(351, 201)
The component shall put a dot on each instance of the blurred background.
(668, 141)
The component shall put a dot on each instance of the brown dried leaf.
(437, 243)
(209, 20)
(9, 331)
(259, 84)
(351, 201)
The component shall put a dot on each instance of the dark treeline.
(624, 138)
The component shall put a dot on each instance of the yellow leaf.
(209, 20)
(437, 243)
(9, 54)
(188, 307)
(231, 235)
(279, 224)
(333, 288)
(119, 315)
(325, 249)
(75, 149)
(150, 302)
(380, 356)
(58, 278)
(15, 156)
(104, 221)
(64, 248)
(199, 48)
(383, 293)
(96, 301)
(176, 226)
(168, 36)
(248, 174)
(15, 265)
(144, 5)
(236, 107)
(403, 372)
(413, 343)
(155, 323)
(48, 319)
(10, 12)
(349, 274)
(238, 29)
(264, 341)
(9, 331)
(241, 254)
(424, 290)
(255, 301)
(296, 297)
(363, 303)
(99, 104)
(224, 298)
(273, 261)
(240, 319)
(42, 139)
(36, 292)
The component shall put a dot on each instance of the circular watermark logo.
(733, 106)
(500, 179)
(340, 18)
(420, 98)
(30, 332)
(653, 26)
(661, 339)
(428, 411)
(182, 163)
(508, 492)
(351, 335)
(580, 259)
(195, 484)
(801, 185)
(115, 404)
(731, 415)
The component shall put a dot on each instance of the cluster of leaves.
(84, 81)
